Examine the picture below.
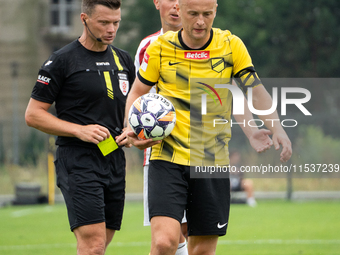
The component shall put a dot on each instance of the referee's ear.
(83, 17)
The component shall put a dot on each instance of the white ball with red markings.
(152, 116)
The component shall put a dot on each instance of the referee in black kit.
(89, 81)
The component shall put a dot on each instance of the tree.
(286, 38)
(139, 20)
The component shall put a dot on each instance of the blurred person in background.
(237, 182)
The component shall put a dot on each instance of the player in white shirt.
(170, 22)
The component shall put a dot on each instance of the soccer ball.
(152, 116)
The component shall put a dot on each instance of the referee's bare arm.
(37, 116)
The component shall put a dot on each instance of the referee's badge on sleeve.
(124, 84)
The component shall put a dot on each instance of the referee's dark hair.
(88, 5)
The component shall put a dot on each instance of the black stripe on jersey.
(166, 149)
(182, 80)
(183, 76)
(183, 145)
(195, 114)
(146, 82)
(162, 79)
(160, 63)
(176, 45)
(209, 156)
(220, 140)
(180, 104)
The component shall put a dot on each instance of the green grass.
(273, 227)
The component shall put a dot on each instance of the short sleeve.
(49, 81)
(241, 57)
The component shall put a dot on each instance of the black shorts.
(93, 186)
(206, 201)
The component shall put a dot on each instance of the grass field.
(273, 227)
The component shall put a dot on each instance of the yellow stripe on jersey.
(120, 67)
(183, 76)
(108, 84)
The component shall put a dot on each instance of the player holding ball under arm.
(183, 64)
(170, 21)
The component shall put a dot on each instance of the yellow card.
(107, 146)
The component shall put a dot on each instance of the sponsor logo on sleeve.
(48, 63)
(44, 80)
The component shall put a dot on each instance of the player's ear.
(156, 3)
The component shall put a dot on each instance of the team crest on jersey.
(218, 64)
(124, 84)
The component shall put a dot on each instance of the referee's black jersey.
(87, 87)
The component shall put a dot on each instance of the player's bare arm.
(37, 116)
(263, 101)
(259, 138)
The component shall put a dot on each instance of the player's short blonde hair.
(181, 1)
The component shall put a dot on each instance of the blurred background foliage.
(284, 38)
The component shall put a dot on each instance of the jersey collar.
(188, 48)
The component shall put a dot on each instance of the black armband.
(247, 78)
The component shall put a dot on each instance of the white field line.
(279, 241)
(25, 212)
(129, 244)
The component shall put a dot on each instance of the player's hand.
(260, 140)
(122, 139)
(139, 143)
(282, 139)
(93, 133)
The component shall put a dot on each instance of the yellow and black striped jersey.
(188, 78)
